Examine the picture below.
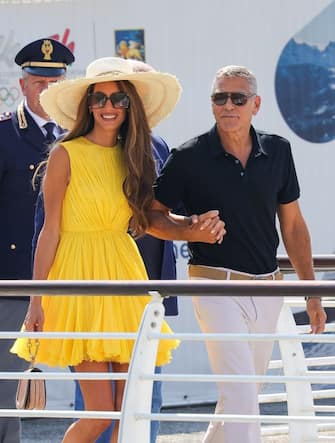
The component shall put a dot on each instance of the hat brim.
(45, 72)
(158, 91)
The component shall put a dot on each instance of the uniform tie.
(50, 137)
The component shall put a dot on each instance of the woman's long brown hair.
(136, 142)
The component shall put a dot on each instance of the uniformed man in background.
(24, 139)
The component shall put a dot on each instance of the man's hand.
(317, 315)
(208, 227)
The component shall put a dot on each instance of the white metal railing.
(298, 380)
(136, 412)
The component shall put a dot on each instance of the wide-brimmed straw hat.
(159, 91)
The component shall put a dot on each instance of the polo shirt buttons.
(13, 246)
(31, 167)
(241, 173)
(237, 161)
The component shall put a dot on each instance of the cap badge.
(47, 49)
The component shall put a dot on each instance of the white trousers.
(237, 315)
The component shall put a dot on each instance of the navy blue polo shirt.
(203, 176)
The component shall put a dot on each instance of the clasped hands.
(207, 227)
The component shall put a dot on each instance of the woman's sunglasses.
(237, 98)
(98, 100)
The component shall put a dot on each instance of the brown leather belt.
(218, 274)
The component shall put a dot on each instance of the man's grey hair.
(233, 71)
(24, 74)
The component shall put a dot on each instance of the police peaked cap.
(45, 57)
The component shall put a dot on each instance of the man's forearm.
(298, 247)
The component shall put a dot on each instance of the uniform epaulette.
(5, 116)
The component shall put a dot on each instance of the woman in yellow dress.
(97, 186)
(97, 180)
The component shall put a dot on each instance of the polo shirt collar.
(216, 148)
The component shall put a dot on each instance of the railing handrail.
(166, 288)
(321, 262)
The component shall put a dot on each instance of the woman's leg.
(98, 396)
(119, 389)
(79, 406)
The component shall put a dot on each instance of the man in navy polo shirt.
(249, 176)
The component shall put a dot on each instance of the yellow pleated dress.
(94, 245)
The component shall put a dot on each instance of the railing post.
(299, 395)
(138, 392)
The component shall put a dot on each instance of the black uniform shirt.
(203, 176)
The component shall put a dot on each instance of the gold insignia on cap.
(47, 49)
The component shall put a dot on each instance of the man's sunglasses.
(237, 98)
(98, 100)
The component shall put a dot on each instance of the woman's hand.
(34, 319)
(208, 227)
